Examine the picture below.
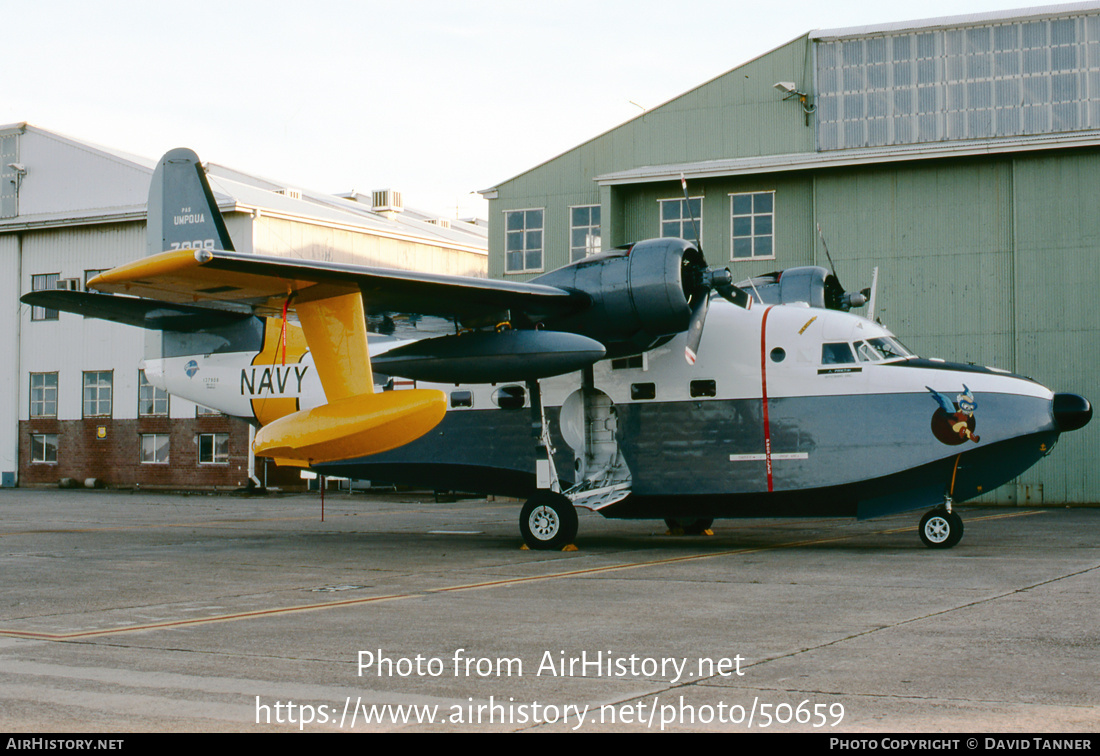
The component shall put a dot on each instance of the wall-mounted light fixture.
(20, 172)
(790, 89)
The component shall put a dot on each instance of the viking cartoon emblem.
(953, 423)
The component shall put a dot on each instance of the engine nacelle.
(811, 284)
(638, 296)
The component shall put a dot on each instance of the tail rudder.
(182, 211)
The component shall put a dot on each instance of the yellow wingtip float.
(352, 427)
(355, 422)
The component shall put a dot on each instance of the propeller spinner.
(703, 281)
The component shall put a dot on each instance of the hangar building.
(73, 400)
(961, 156)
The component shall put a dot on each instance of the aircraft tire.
(688, 525)
(548, 521)
(940, 529)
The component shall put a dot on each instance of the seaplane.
(595, 385)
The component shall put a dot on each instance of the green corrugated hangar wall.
(993, 260)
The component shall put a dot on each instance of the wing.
(943, 400)
(266, 283)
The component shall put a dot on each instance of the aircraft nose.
(1071, 411)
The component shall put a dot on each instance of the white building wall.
(275, 236)
(9, 345)
(65, 176)
(72, 344)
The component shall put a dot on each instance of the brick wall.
(115, 459)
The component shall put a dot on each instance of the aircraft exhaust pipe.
(1071, 411)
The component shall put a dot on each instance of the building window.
(584, 232)
(154, 448)
(213, 448)
(44, 448)
(201, 411)
(522, 241)
(43, 394)
(1028, 77)
(752, 223)
(677, 216)
(97, 393)
(152, 401)
(90, 274)
(44, 282)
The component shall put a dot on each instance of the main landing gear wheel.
(691, 526)
(940, 529)
(548, 521)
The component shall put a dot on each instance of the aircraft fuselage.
(788, 410)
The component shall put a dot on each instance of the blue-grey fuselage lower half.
(850, 455)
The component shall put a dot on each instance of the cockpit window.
(836, 354)
(890, 348)
(867, 353)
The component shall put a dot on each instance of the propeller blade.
(695, 329)
(704, 281)
(735, 295)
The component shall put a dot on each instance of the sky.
(435, 98)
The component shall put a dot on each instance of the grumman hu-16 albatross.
(573, 389)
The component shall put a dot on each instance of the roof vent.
(292, 193)
(386, 201)
(441, 222)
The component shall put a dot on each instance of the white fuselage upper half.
(766, 351)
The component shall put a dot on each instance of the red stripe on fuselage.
(764, 396)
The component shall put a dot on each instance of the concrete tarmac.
(140, 612)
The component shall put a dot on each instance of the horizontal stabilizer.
(143, 313)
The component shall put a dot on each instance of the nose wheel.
(689, 526)
(940, 529)
(548, 521)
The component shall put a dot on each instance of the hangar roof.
(73, 182)
(955, 22)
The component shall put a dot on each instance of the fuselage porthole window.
(703, 388)
(510, 397)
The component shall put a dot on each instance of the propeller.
(701, 281)
(836, 296)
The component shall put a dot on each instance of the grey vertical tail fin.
(182, 210)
